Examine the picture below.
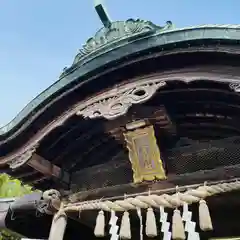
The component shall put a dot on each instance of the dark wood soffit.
(231, 50)
(220, 73)
(214, 175)
(149, 114)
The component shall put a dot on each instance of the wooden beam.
(45, 167)
(158, 117)
(217, 174)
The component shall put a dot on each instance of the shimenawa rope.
(155, 201)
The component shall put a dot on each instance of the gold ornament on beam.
(144, 154)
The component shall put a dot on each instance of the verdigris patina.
(124, 47)
(115, 31)
(119, 30)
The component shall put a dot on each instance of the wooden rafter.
(48, 169)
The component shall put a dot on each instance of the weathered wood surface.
(47, 168)
(218, 174)
(183, 159)
(50, 125)
(158, 117)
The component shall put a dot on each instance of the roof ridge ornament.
(116, 34)
(102, 13)
(113, 34)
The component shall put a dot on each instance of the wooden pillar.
(58, 227)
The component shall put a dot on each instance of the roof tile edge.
(63, 79)
(108, 38)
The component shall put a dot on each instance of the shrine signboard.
(144, 155)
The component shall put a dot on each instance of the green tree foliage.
(11, 188)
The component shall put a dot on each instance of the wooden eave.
(89, 66)
(56, 134)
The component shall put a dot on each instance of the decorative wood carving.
(116, 102)
(144, 155)
(20, 160)
(186, 75)
(235, 86)
(158, 118)
(120, 30)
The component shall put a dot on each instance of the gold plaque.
(144, 155)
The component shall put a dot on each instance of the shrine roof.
(120, 41)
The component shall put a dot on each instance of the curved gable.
(144, 35)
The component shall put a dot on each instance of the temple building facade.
(138, 139)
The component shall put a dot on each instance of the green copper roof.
(117, 33)
(122, 39)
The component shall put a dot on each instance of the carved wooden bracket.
(40, 164)
(116, 102)
(48, 169)
(23, 158)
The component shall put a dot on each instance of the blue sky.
(39, 38)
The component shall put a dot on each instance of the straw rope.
(149, 202)
(166, 200)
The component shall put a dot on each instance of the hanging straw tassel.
(99, 230)
(125, 230)
(151, 226)
(178, 232)
(205, 221)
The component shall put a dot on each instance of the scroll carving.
(144, 155)
(116, 102)
(235, 87)
(23, 158)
